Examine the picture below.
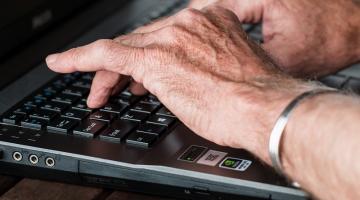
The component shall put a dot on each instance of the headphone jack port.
(17, 156)
(50, 162)
(33, 159)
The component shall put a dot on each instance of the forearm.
(320, 147)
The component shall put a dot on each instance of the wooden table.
(12, 188)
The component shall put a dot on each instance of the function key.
(145, 107)
(102, 116)
(152, 129)
(165, 112)
(75, 114)
(118, 130)
(89, 128)
(55, 106)
(62, 125)
(141, 139)
(135, 116)
(43, 114)
(66, 98)
(35, 123)
(161, 120)
(114, 108)
(77, 91)
(12, 118)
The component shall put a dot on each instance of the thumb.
(248, 11)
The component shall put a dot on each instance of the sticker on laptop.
(235, 164)
(192, 153)
(211, 158)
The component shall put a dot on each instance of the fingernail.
(51, 58)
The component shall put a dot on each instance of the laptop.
(133, 143)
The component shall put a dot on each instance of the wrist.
(266, 104)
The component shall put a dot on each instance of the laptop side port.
(17, 156)
(33, 159)
(50, 162)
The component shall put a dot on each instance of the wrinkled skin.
(307, 38)
(201, 65)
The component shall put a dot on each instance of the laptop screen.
(23, 22)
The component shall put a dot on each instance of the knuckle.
(108, 50)
(175, 33)
(190, 14)
(74, 55)
(103, 45)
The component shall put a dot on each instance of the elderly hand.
(201, 66)
(305, 37)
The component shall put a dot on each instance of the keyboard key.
(33, 123)
(52, 89)
(12, 118)
(75, 114)
(114, 108)
(55, 106)
(88, 77)
(334, 81)
(127, 100)
(77, 91)
(66, 98)
(126, 92)
(43, 96)
(152, 129)
(89, 128)
(145, 107)
(82, 84)
(141, 139)
(161, 120)
(43, 114)
(118, 130)
(150, 100)
(60, 83)
(165, 112)
(82, 105)
(62, 125)
(135, 116)
(72, 76)
(24, 110)
(353, 84)
(34, 103)
(102, 116)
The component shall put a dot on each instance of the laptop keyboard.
(60, 108)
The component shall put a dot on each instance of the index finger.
(100, 55)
